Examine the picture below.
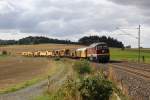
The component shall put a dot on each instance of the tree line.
(86, 40)
(34, 40)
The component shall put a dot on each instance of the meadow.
(129, 54)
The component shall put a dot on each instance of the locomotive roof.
(95, 44)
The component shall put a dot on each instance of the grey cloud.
(61, 18)
(58, 17)
(138, 3)
(142, 5)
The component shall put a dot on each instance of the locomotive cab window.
(101, 47)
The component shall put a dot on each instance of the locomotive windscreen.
(102, 46)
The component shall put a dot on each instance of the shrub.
(95, 88)
(82, 67)
(57, 59)
(4, 52)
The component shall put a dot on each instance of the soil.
(14, 70)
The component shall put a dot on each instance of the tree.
(40, 39)
(87, 40)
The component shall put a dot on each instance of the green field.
(129, 54)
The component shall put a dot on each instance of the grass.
(54, 92)
(55, 95)
(3, 56)
(129, 54)
(68, 91)
(118, 92)
(43, 97)
(20, 85)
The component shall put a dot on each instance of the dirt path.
(35, 90)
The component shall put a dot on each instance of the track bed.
(132, 78)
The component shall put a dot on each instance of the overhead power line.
(139, 38)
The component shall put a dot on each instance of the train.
(98, 52)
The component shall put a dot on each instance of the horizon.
(66, 39)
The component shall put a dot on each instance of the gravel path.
(35, 90)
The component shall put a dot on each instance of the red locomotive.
(98, 52)
(95, 52)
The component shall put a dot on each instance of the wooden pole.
(139, 42)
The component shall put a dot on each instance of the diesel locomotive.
(95, 52)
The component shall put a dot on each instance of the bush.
(95, 88)
(4, 52)
(82, 67)
(57, 59)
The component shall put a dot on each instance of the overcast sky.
(72, 19)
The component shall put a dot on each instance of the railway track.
(138, 72)
(135, 66)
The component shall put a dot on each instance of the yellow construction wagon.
(81, 53)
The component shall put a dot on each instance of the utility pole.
(139, 42)
(138, 38)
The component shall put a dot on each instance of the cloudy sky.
(72, 19)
